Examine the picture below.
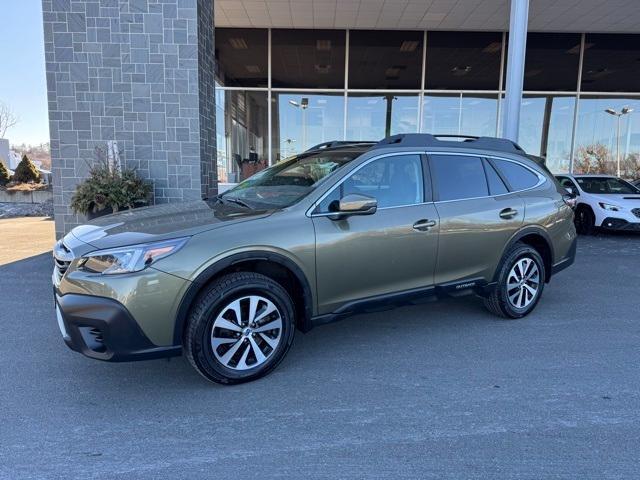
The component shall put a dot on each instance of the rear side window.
(519, 177)
(457, 177)
(496, 185)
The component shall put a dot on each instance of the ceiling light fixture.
(493, 47)
(408, 46)
(238, 43)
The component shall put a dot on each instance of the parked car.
(603, 201)
(332, 232)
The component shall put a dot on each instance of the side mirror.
(570, 190)
(355, 204)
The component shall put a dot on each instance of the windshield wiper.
(236, 201)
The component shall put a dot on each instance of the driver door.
(390, 251)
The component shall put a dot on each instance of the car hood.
(629, 200)
(162, 222)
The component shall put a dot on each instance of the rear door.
(478, 215)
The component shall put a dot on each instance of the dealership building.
(199, 94)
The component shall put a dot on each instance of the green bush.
(4, 175)
(26, 172)
(110, 187)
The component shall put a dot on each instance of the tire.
(505, 301)
(213, 320)
(584, 220)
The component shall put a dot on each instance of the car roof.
(587, 175)
(426, 140)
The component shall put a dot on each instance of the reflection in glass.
(611, 63)
(307, 58)
(596, 143)
(375, 116)
(551, 62)
(545, 129)
(460, 114)
(302, 120)
(241, 134)
(463, 60)
(242, 57)
(385, 59)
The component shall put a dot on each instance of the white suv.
(603, 201)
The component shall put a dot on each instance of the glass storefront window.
(241, 134)
(463, 60)
(546, 124)
(611, 63)
(307, 58)
(302, 120)
(385, 59)
(597, 136)
(460, 114)
(242, 57)
(375, 116)
(551, 61)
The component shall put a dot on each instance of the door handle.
(508, 213)
(424, 225)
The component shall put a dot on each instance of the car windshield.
(288, 182)
(605, 185)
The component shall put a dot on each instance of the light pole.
(304, 104)
(618, 115)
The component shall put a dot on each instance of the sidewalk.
(25, 237)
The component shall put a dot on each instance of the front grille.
(636, 212)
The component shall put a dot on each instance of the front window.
(288, 182)
(394, 181)
(606, 185)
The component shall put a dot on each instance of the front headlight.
(608, 206)
(128, 259)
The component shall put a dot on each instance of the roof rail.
(429, 140)
(340, 143)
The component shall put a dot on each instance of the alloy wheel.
(246, 332)
(523, 283)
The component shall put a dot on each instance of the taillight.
(570, 200)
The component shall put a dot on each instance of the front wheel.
(584, 220)
(520, 283)
(240, 328)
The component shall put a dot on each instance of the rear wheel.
(585, 220)
(240, 328)
(520, 283)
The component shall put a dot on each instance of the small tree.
(7, 119)
(594, 158)
(26, 172)
(4, 174)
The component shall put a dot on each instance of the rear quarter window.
(518, 176)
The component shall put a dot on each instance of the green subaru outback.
(339, 229)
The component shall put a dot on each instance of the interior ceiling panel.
(544, 15)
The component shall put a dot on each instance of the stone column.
(129, 71)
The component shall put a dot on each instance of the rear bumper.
(568, 260)
(620, 224)
(103, 329)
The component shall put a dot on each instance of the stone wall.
(127, 70)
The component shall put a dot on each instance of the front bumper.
(620, 224)
(102, 328)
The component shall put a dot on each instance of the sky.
(22, 70)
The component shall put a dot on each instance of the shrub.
(4, 175)
(107, 186)
(26, 172)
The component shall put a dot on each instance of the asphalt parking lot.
(441, 390)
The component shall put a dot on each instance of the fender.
(212, 270)
(523, 232)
